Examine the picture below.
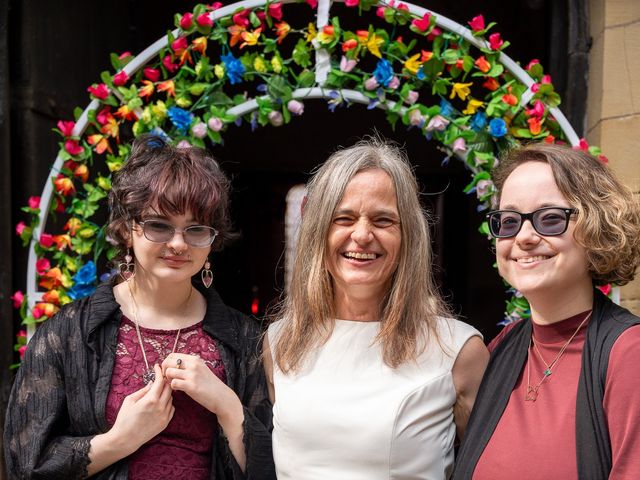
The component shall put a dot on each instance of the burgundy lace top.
(184, 448)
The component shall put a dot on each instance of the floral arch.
(223, 65)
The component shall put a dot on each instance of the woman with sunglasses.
(152, 376)
(559, 399)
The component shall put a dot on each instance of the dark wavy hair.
(608, 222)
(170, 181)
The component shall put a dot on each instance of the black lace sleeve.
(37, 444)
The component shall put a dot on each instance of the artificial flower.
(446, 108)
(168, 86)
(349, 45)
(275, 10)
(472, 106)
(459, 145)
(66, 127)
(73, 148)
(204, 20)
(52, 296)
(199, 130)
(99, 142)
(43, 265)
(72, 225)
(169, 64)
(296, 107)
(44, 309)
(34, 202)
(416, 118)
(484, 187)
(200, 45)
(535, 87)
(242, 18)
(545, 80)
(125, 112)
(312, 33)
(146, 90)
(425, 55)
(371, 84)
(82, 171)
(236, 32)
(533, 62)
(180, 118)
(183, 144)
(215, 124)
(537, 110)
(259, 65)
(276, 63)
(120, 78)
(250, 38)
(233, 67)
(312, 3)
(347, 65)
(62, 241)
(483, 65)
(179, 45)
(438, 122)
(186, 21)
(326, 35)
(51, 279)
(282, 30)
(477, 23)
(394, 83)
(351, 3)
(275, 118)
(423, 23)
(495, 41)
(461, 90)
(413, 64)
(383, 72)
(510, 99)
(20, 227)
(152, 74)
(99, 91)
(498, 127)
(491, 84)
(374, 42)
(18, 298)
(535, 125)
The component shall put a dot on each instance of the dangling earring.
(127, 268)
(206, 274)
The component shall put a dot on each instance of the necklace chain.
(532, 390)
(149, 375)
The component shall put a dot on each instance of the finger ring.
(179, 363)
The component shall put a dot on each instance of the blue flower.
(478, 121)
(383, 72)
(84, 281)
(446, 109)
(180, 118)
(498, 127)
(233, 67)
(420, 75)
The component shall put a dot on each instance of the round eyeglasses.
(161, 232)
(547, 221)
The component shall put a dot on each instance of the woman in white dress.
(370, 376)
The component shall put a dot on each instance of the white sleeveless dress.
(347, 416)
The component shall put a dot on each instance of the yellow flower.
(413, 64)
(374, 43)
(259, 64)
(218, 70)
(160, 110)
(146, 115)
(276, 64)
(311, 32)
(472, 106)
(183, 102)
(251, 38)
(462, 90)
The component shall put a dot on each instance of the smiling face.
(364, 239)
(173, 261)
(543, 268)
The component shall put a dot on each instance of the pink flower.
(412, 97)
(415, 118)
(72, 147)
(186, 22)
(477, 23)
(351, 3)
(371, 83)
(537, 110)
(100, 91)
(104, 115)
(18, 298)
(495, 42)
(120, 78)
(394, 83)
(438, 122)
(183, 144)
(483, 187)
(535, 87)
(34, 202)
(66, 127)
(242, 18)
(20, 227)
(347, 65)
(606, 289)
(152, 74)
(216, 6)
(275, 10)
(545, 80)
(312, 3)
(603, 159)
(295, 107)
(179, 45)
(582, 145)
(533, 62)
(46, 240)
(199, 130)
(37, 312)
(380, 11)
(42, 266)
(275, 118)
(215, 124)
(423, 23)
(436, 32)
(204, 20)
(169, 65)
(124, 55)
(459, 145)
(21, 333)
(22, 350)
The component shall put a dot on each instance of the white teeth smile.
(538, 258)
(360, 256)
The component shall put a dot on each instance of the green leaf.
(301, 54)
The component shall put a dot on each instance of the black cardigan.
(58, 399)
(593, 447)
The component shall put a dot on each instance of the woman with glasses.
(152, 376)
(372, 378)
(560, 397)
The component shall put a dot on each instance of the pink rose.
(46, 240)
(477, 23)
(66, 127)
(100, 91)
(120, 78)
(42, 266)
(22, 350)
(204, 20)
(186, 21)
(20, 228)
(215, 124)
(295, 107)
(199, 130)
(495, 41)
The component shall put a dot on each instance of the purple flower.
(295, 107)
(347, 65)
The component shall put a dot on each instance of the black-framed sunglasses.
(547, 221)
(198, 236)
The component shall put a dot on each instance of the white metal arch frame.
(322, 68)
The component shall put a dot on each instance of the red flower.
(66, 127)
(533, 62)
(204, 20)
(549, 139)
(312, 3)
(491, 84)
(349, 45)
(583, 145)
(64, 185)
(603, 159)
(99, 91)
(216, 6)
(126, 113)
(186, 21)
(477, 23)
(169, 65)
(120, 78)
(423, 23)
(351, 3)
(34, 202)
(124, 55)
(18, 298)
(510, 99)
(436, 32)
(425, 56)
(42, 266)
(46, 240)
(58, 205)
(275, 10)
(51, 279)
(535, 125)
(495, 42)
(145, 91)
(52, 296)
(104, 115)
(483, 65)
(242, 18)
(72, 147)
(167, 86)
(22, 333)
(535, 87)
(606, 289)
(152, 74)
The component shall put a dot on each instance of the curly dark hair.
(608, 223)
(170, 181)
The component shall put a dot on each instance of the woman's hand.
(142, 416)
(190, 374)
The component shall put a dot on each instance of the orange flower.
(46, 309)
(100, 144)
(491, 84)
(110, 127)
(82, 172)
(52, 296)
(64, 185)
(236, 32)
(510, 99)
(483, 65)
(200, 45)
(72, 225)
(251, 38)
(168, 86)
(426, 56)
(147, 90)
(535, 125)
(349, 45)
(282, 30)
(62, 241)
(52, 279)
(125, 113)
